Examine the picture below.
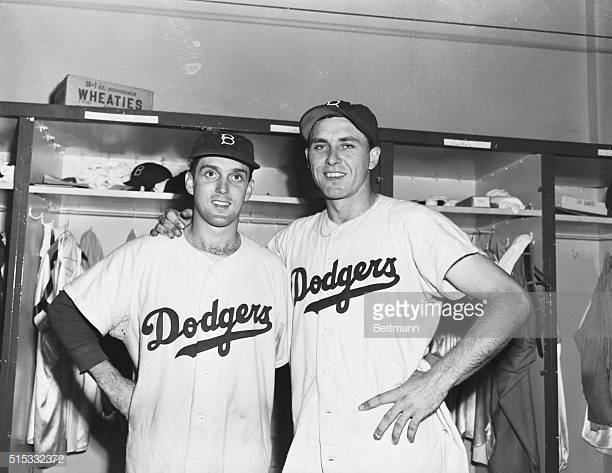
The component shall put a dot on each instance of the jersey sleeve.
(77, 336)
(277, 245)
(284, 323)
(437, 244)
(104, 293)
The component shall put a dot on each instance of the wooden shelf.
(584, 219)
(81, 191)
(486, 211)
(479, 218)
(262, 207)
(82, 201)
(583, 227)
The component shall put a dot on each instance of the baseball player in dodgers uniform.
(348, 389)
(204, 319)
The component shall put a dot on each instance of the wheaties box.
(77, 90)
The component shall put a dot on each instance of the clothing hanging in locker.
(512, 409)
(91, 248)
(533, 280)
(3, 261)
(499, 393)
(563, 426)
(62, 398)
(593, 339)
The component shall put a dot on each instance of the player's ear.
(249, 189)
(307, 158)
(189, 182)
(374, 157)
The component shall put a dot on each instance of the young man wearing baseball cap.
(364, 245)
(205, 320)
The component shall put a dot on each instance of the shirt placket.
(201, 455)
(326, 382)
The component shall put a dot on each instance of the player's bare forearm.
(507, 308)
(118, 388)
(504, 314)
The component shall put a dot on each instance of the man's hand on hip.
(412, 401)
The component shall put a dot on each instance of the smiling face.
(339, 158)
(219, 186)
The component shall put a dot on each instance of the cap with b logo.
(358, 114)
(147, 175)
(225, 144)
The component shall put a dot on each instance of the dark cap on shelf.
(147, 175)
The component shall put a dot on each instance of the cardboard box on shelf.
(475, 201)
(565, 202)
(597, 194)
(77, 90)
(589, 200)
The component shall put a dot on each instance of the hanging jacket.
(513, 412)
(91, 248)
(593, 341)
(516, 448)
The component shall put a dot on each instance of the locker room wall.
(222, 59)
(600, 67)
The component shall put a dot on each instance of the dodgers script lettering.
(345, 278)
(164, 324)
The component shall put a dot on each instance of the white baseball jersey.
(395, 246)
(206, 338)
